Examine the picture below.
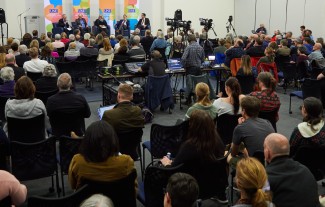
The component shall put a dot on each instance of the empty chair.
(289, 74)
(309, 88)
(30, 161)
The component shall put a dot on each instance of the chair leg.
(140, 154)
(62, 182)
(58, 190)
(143, 161)
(290, 112)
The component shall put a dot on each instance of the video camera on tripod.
(207, 23)
(175, 24)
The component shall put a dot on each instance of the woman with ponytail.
(311, 131)
(268, 97)
(231, 104)
(251, 178)
(203, 102)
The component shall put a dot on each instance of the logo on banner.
(81, 10)
(107, 11)
(54, 11)
(131, 10)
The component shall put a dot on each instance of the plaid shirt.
(193, 55)
(269, 101)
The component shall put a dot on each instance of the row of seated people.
(249, 113)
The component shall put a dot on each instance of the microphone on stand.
(23, 12)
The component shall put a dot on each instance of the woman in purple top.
(7, 75)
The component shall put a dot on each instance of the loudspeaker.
(178, 15)
(2, 16)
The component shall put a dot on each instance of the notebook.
(101, 110)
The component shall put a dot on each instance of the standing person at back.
(66, 101)
(192, 59)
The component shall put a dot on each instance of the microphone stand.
(19, 15)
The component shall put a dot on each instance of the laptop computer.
(101, 110)
(134, 67)
(175, 64)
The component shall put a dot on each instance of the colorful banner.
(131, 9)
(81, 7)
(107, 9)
(52, 13)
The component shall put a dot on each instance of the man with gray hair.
(10, 62)
(7, 75)
(70, 104)
(57, 43)
(79, 45)
(90, 51)
(136, 52)
(317, 56)
(72, 38)
(22, 57)
(292, 184)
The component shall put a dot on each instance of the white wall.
(156, 10)
(244, 16)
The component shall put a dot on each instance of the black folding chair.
(30, 161)
(309, 88)
(3, 101)
(26, 130)
(34, 76)
(289, 73)
(43, 96)
(226, 124)
(271, 116)
(68, 147)
(122, 192)
(164, 139)
(72, 200)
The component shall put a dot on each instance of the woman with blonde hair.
(106, 52)
(251, 178)
(99, 40)
(268, 58)
(203, 102)
(2, 56)
(246, 68)
(34, 43)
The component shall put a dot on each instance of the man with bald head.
(67, 102)
(317, 56)
(292, 184)
(11, 62)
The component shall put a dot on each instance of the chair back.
(4, 156)
(311, 88)
(6, 202)
(68, 147)
(205, 79)
(3, 101)
(104, 60)
(130, 141)
(158, 91)
(313, 157)
(63, 123)
(220, 58)
(259, 155)
(84, 68)
(155, 180)
(132, 60)
(65, 67)
(254, 61)
(289, 71)
(72, 200)
(43, 96)
(246, 83)
(234, 66)
(165, 139)
(60, 51)
(226, 124)
(34, 76)
(121, 192)
(271, 116)
(26, 130)
(39, 158)
(269, 67)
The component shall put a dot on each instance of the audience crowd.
(29, 67)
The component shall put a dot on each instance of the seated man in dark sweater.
(235, 52)
(292, 184)
(11, 62)
(124, 116)
(257, 50)
(155, 66)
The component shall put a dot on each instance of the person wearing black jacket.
(102, 25)
(143, 23)
(10, 62)
(63, 22)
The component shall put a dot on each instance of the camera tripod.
(231, 27)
